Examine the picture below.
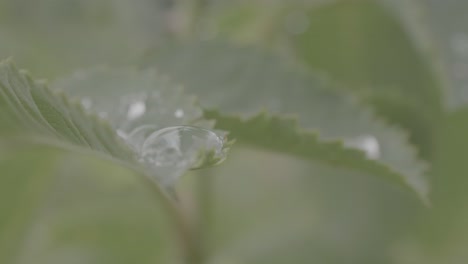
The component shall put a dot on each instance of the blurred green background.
(406, 59)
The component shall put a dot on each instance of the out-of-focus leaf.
(303, 212)
(444, 229)
(242, 82)
(146, 101)
(363, 45)
(446, 22)
(53, 37)
(33, 107)
(30, 107)
(58, 207)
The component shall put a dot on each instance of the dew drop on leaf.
(172, 151)
(137, 136)
(367, 143)
(136, 110)
(121, 134)
(179, 113)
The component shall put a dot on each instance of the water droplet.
(367, 143)
(86, 103)
(136, 138)
(136, 110)
(172, 151)
(179, 113)
(121, 134)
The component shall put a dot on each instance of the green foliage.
(448, 36)
(363, 46)
(55, 37)
(245, 81)
(327, 101)
(30, 107)
(57, 206)
(449, 192)
(121, 84)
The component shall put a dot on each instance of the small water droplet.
(179, 113)
(86, 103)
(174, 150)
(136, 110)
(367, 143)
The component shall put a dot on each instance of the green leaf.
(446, 223)
(365, 47)
(236, 84)
(82, 218)
(444, 24)
(30, 107)
(53, 37)
(303, 212)
(168, 106)
(159, 104)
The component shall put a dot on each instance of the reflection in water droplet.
(121, 134)
(86, 103)
(369, 144)
(137, 137)
(136, 110)
(169, 152)
(174, 150)
(179, 113)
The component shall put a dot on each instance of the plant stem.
(205, 210)
(181, 222)
(199, 249)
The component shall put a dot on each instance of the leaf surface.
(236, 84)
(370, 50)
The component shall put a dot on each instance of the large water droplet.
(367, 143)
(136, 138)
(172, 151)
